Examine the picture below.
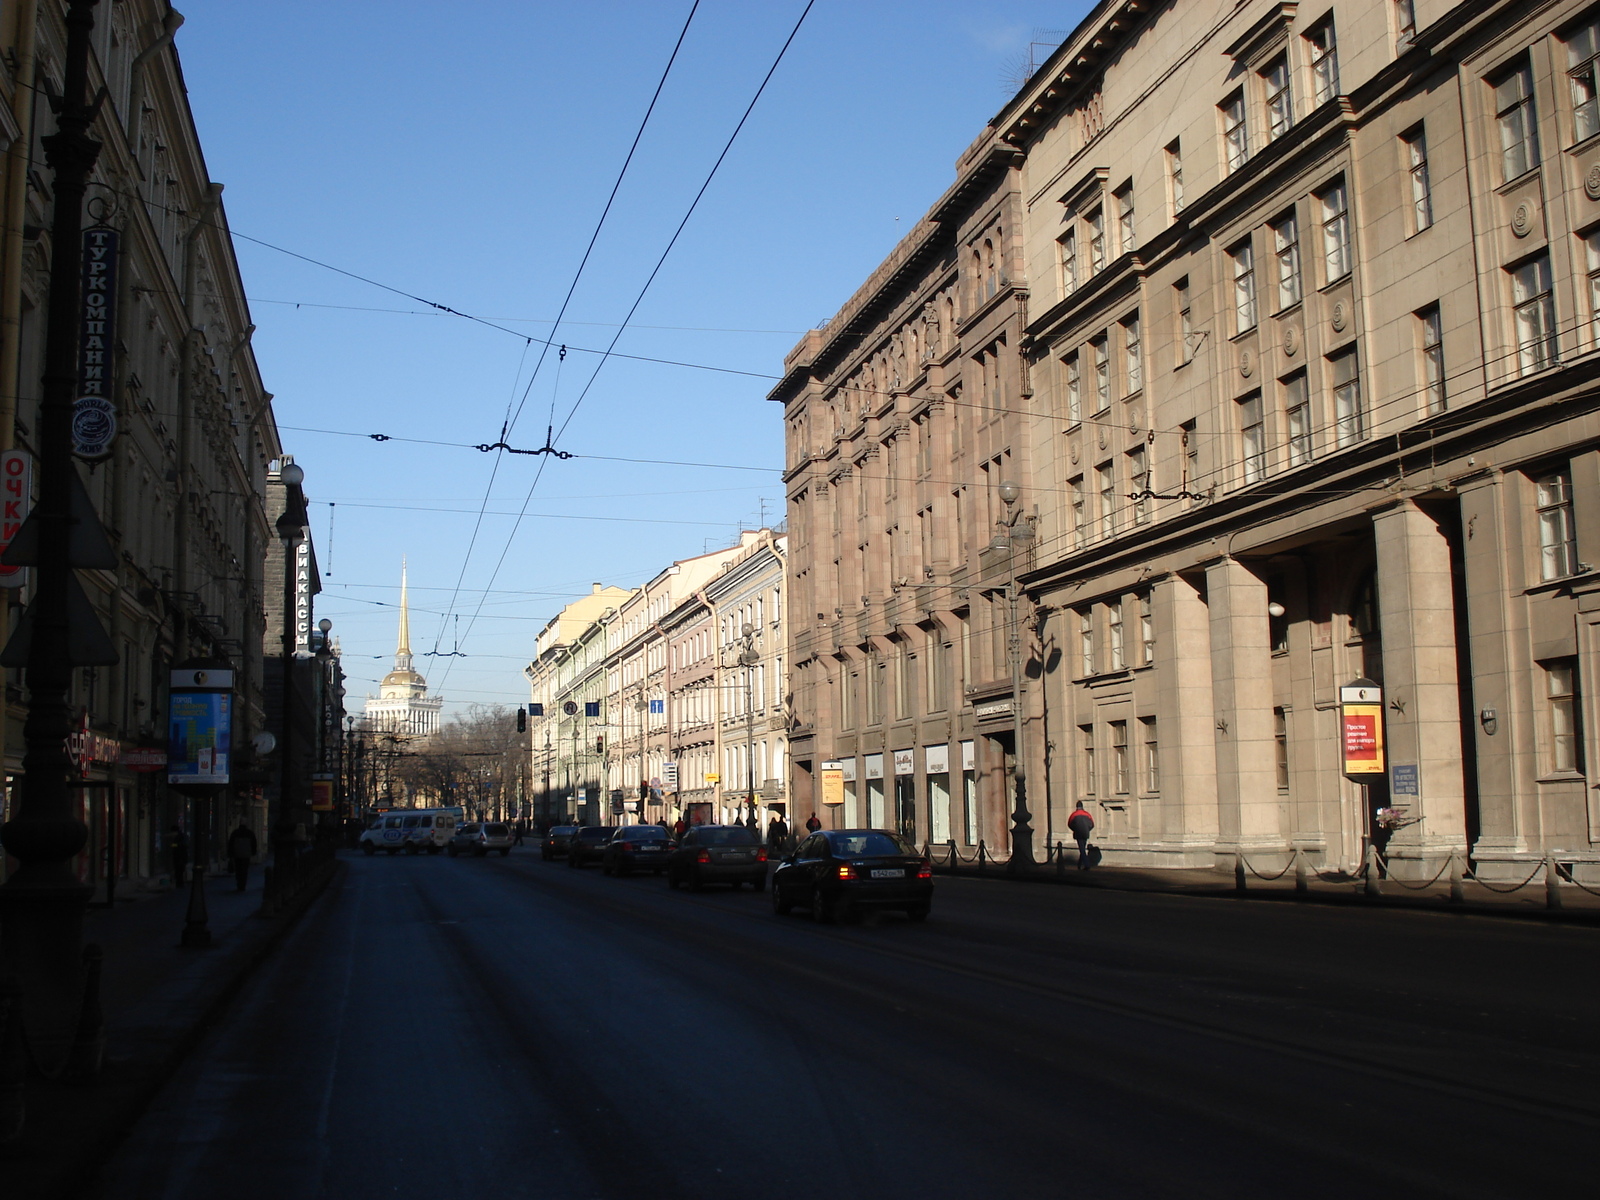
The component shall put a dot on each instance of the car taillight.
(846, 871)
(925, 870)
(761, 854)
(704, 856)
(627, 845)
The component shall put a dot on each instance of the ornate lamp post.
(748, 658)
(1016, 529)
(291, 526)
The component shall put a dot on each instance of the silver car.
(477, 839)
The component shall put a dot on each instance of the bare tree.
(475, 760)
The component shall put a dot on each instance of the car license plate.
(883, 874)
(735, 858)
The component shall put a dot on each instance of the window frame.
(1119, 757)
(1174, 164)
(1241, 256)
(1516, 117)
(1277, 97)
(1235, 126)
(1563, 714)
(1132, 355)
(1183, 302)
(1067, 260)
(1297, 430)
(1127, 238)
(1542, 350)
(1349, 418)
(1286, 252)
(1577, 70)
(1251, 416)
(1415, 141)
(1323, 59)
(1334, 216)
(1557, 533)
(1430, 359)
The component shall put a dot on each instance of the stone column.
(1249, 809)
(1416, 607)
(1500, 671)
(1185, 721)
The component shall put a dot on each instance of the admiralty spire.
(402, 704)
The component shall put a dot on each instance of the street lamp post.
(748, 658)
(291, 526)
(1014, 529)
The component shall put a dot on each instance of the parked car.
(589, 842)
(479, 839)
(838, 872)
(555, 841)
(718, 854)
(385, 833)
(636, 848)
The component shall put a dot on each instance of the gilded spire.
(405, 615)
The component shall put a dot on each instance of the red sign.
(15, 497)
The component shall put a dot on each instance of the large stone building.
(402, 705)
(1298, 389)
(181, 496)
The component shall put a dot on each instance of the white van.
(429, 829)
(385, 833)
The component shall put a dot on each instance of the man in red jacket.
(1081, 824)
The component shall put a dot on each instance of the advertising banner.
(199, 732)
(321, 794)
(1361, 730)
(16, 495)
(833, 783)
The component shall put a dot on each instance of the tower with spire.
(402, 704)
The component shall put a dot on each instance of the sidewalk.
(158, 999)
(1526, 902)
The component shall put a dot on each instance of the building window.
(1349, 421)
(1583, 47)
(1534, 307)
(1139, 482)
(1119, 658)
(1102, 373)
(1561, 692)
(1068, 242)
(1591, 251)
(1073, 370)
(1125, 237)
(1185, 330)
(1416, 155)
(1086, 739)
(1080, 532)
(1252, 436)
(1152, 754)
(1147, 631)
(1086, 640)
(1324, 62)
(1335, 232)
(1133, 371)
(1430, 339)
(1405, 23)
(1119, 756)
(1513, 111)
(1235, 137)
(1286, 249)
(1191, 458)
(1108, 498)
(1297, 418)
(1175, 176)
(1558, 544)
(1280, 103)
(1097, 241)
(1244, 286)
(1280, 746)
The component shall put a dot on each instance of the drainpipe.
(169, 27)
(208, 209)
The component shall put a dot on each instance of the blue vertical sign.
(200, 727)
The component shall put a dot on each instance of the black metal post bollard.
(1238, 873)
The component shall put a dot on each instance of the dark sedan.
(636, 848)
(555, 841)
(718, 854)
(588, 843)
(838, 872)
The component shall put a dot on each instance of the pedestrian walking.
(812, 824)
(178, 849)
(517, 839)
(679, 828)
(1081, 824)
(241, 849)
(776, 832)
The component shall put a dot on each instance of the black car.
(718, 854)
(555, 841)
(589, 842)
(837, 872)
(636, 848)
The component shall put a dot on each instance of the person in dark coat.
(241, 849)
(1081, 824)
(776, 832)
(812, 824)
(178, 849)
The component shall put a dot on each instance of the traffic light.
(522, 719)
(644, 790)
(599, 745)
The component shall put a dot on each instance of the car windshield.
(732, 835)
(868, 842)
(495, 830)
(467, 829)
(392, 823)
(644, 833)
(561, 831)
(600, 833)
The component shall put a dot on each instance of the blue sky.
(462, 153)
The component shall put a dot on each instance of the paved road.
(508, 1027)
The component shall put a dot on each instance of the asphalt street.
(508, 1027)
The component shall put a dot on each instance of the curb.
(73, 1129)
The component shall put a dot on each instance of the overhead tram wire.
(511, 417)
(639, 299)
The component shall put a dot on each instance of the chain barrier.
(1566, 873)
(1473, 875)
(1267, 878)
(1388, 876)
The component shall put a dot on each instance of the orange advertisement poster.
(1363, 739)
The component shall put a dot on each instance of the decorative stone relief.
(1341, 316)
(1247, 362)
(1291, 340)
(1591, 183)
(1522, 220)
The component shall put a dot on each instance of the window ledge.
(1333, 283)
(1561, 777)
(1588, 143)
(1512, 185)
(1556, 584)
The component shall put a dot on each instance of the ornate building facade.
(402, 705)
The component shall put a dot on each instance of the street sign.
(16, 495)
